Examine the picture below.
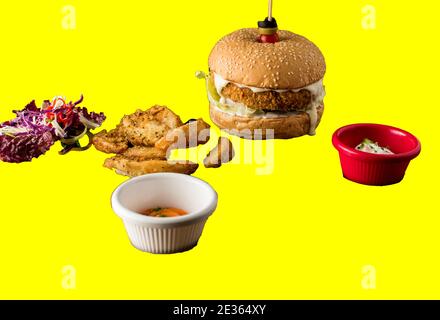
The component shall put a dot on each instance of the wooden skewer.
(269, 14)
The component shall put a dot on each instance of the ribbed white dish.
(164, 235)
(168, 240)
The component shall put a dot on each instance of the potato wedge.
(144, 128)
(188, 135)
(133, 168)
(113, 141)
(222, 153)
(144, 153)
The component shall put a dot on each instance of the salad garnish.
(34, 130)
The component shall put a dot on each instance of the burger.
(261, 89)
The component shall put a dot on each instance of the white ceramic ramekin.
(164, 235)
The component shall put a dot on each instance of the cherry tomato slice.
(269, 38)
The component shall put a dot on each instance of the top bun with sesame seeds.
(293, 62)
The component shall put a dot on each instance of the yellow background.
(301, 232)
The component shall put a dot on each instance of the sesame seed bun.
(285, 126)
(292, 63)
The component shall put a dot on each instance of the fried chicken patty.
(268, 100)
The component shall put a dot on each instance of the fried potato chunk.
(144, 128)
(188, 135)
(144, 153)
(222, 153)
(113, 141)
(142, 139)
(133, 168)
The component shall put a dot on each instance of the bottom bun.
(284, 126)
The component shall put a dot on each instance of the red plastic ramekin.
(375, 169)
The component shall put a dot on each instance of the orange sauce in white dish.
(164, 212)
